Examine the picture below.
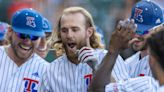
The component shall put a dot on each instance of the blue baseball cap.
(3, 30)
(146, 15)
(28, 21)
(47, 25)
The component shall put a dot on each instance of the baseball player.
(21, 69)
(146, 83)
(146, 15)
(68, 73)
(45, 42)
(138, 84)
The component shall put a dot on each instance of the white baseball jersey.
(25, 78)
(64, 76)
(161, 89)
(139, 84)
(138, 67)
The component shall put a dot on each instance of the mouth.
(25, 47)
(42, 49)
(71, 46)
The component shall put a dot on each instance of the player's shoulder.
(161, 89)
(39, 60)
(146, 78)
(2, 48)
(138, 84)
(98, 50)
(60, 59)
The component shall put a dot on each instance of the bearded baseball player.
(139, 84)
(21, 69)
(146, 15)
(70, 73)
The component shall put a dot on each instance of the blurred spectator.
(101, 34)
(3, 30)
(59, 50)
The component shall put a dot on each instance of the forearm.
(103, 75)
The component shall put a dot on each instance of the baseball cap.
(146, 15)
(27, 21)
(3, 30)
(47, 25)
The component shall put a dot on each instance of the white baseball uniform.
(161, 89)
(139, 84)
(138, 67)
(64, 76)
(25, 78)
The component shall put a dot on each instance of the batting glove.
(87, 55)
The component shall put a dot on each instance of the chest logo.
(88, 78)
(30, 85)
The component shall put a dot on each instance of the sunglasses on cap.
(141, 32)
(25, 36)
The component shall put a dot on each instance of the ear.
(90, 31)
(9, 32)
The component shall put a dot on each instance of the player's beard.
(73, 55)
(142, 47)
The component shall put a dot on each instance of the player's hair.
(94, 39)
(156, 43)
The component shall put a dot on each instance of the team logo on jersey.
(88, 78)
(30, 21)
(137, 15)
(30, 85)
(35, 74)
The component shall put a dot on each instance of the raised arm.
(118, 42)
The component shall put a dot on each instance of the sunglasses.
(141, 32)
(25, 36)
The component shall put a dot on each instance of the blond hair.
(94, 39)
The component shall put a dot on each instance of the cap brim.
(30, 32)
(142, 27)
(48, 31)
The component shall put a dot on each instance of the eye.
(64, 30)
(75, 29)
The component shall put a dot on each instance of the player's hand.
(121, 36)
(154, 30)
(87, 55)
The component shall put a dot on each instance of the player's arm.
(139, 84)
(118, 42)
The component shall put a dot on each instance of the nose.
(27, 41)
(69, 33)
(42, 42)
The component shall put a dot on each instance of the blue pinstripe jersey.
(25, 78)
(139, 84)
(64, 76)
(138, 67)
